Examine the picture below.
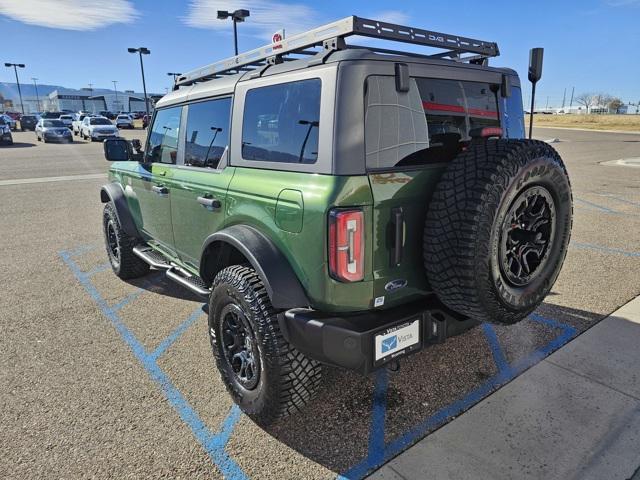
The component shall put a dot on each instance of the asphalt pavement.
(105, 378)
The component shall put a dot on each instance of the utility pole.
(564, 96)
(37, 96)
(547, 107)
(573, 89)
(15, 69)
(115, 89)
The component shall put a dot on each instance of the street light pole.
(115, 89)
(236, 16)
(142, 51)
(15, 69)
(37, 96)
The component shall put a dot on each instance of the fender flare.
(283, 286)
(113, 192)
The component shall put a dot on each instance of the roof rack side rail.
(333, 34)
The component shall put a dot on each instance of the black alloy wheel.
(527, 236)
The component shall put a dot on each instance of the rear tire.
(266, 376)
(119, 245)
(498, 229)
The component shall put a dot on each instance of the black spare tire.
(498, 228)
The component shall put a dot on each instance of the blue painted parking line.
(505, 373)
(98, 269)
(167, 342)
(603, 249)
(378, 450)
(213, 443)
(594, 206)
(619, 199)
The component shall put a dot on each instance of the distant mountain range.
(10, 90)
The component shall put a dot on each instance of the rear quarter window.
(281, 122)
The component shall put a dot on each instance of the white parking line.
(22, 181)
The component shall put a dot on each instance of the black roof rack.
(331, 37)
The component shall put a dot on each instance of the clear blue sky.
(589, 44)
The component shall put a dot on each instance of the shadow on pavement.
(19, 145)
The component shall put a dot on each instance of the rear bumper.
(348, 341)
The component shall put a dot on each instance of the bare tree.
(586, 99)
(614, 104)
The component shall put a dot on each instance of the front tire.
(119, 245)
(266, 376)
(498, 229)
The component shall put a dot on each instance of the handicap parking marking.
(603, 249)
(619, 199)
(380, 452)
(378, 449)
(213, 443)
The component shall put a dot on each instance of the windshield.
(52, 123)
(123, 117)
(28, 117)
(100, 121)
(65, 117)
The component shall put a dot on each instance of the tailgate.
(400, 200)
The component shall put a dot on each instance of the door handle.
(211, 203)
(160, 189)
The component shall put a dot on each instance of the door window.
(162, 145)
(281, 122)
(207, 132)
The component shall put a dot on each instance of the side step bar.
(191, 282)
(173, 272)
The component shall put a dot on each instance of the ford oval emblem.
(394, 285)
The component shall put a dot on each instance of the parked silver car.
(53, 130)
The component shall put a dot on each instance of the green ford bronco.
(340, 205)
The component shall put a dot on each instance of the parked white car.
(124, 121)
(67, 120)
(77, 122)
(98, 128)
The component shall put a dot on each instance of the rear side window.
(429, 124)
(207, 133)
(163, 137)
(281, 122)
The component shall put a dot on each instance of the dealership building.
(98, 100)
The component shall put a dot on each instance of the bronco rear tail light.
(346, 245)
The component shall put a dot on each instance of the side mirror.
(535, 64)
(117, 150)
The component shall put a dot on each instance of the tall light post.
(237, 16)
(174, 75)
(142, 51)
(115, 89)
(93, 104)
(15, 69)
(37, 96)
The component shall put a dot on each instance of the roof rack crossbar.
(331, 37)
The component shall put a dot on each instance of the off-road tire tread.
(298, 377)
(131, 266)
(461, 211)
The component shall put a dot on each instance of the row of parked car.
(61, 127)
